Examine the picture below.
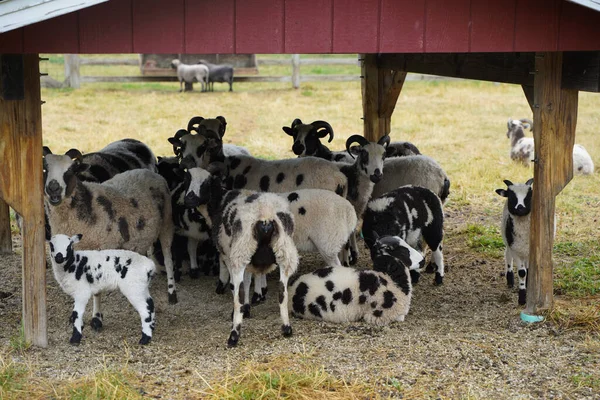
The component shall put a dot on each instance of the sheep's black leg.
(286, 328)
(522, 283)
(236, 279)
(510, 275)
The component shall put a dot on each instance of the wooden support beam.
(21, 179)
(554, 118)
(528, 90)
(5, 235)
(380, 90)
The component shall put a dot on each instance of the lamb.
(187, 73)
(219, 73)
(104, 270)
(414, 214)
(254, 234)
(129, 211)
(307, 142)
(340, 294)
(522, 149)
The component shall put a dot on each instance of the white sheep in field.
(187, 73)
(84, 273)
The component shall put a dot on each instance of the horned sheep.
(84, 273)
(187, 73)
(341, 294)
(129, 211)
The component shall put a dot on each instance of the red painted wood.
(536, 26)
(209, 26)
(308, 26)
(259, 26)
(12, 41)
(402, 26)
(56, 35)
(447, 26)
(158, 26)
(106, 28)
(356, 26)
(579, 28)
(492, 25)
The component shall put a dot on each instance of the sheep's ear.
(74, 154)
(46, 151)
(76, 238)
(174, 141)
(507, 182)
(529, 182)
(223, 125)
(288, 130)
(502, 192)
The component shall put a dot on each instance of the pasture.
(460, 340)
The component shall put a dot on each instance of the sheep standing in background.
(218, 73)
(82, 274)
(187, 73)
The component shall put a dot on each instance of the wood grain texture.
(5, 234)
(307, 31)
(402, 26)
(106, 28)
(158, 26)
(492, 25)
(259, 26)
(447, 26)
(22, 181)
(355, 26)
(56, 35)
(554, 120)
(537, 24)
(209, 26)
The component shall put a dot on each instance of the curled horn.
(46, 151)
(328, 129)
(361, 140)
(74, 154)
(180, 133)
(194, 121)
(507, 182)
(384, 141)
(527, 121)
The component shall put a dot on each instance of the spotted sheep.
(340, 294)
(254, 235)
(307, 142)
(522, 149)
(129, 211)
(412, 213)
(190, 147)
(187, 73)
(404, 164)
(352, 181)
(84, 273)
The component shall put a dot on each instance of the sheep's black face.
(198, 187)
(398, 249)
(60, 177)
(61, 248)
(519, 198)
(306, 139)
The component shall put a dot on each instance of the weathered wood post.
(554, 120)
(295, 71)
(380, 90)
(72, 75)
(21, 179)
(5, 235)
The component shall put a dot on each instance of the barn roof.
(313, 26)
(593, 4)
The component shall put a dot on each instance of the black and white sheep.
(218, 73)
(341, 294)
(522, 149)
(129, 211)
(254, 235)
(414, 214)
(84, 273)
(187, 73)
(515, 228)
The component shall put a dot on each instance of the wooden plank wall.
(313, 26)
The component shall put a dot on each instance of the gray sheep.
(218, 73)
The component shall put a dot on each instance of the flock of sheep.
(224, 211)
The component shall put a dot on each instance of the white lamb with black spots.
(414, 214)
(341, 294)
(84, 273)
(130, 211)
(254, 235)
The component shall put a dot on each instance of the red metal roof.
(313, 26)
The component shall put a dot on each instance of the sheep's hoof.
(145, 339)
(256, 298)
(286, 330)
(431, 268)
(414, 276)
(233, 339)
(510, 279)
(195, 273)
(439, 279)
(522, 297)
(75, 338)
(96, 324)
(173, 298)
(220, 288)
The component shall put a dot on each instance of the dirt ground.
(461, 340)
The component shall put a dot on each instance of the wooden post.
(5, 234)
(72, 76)
(554, 119)
(296, 71)
(528, 90)
(380, 90)
(21, 179)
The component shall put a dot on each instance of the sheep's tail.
(445, 190)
